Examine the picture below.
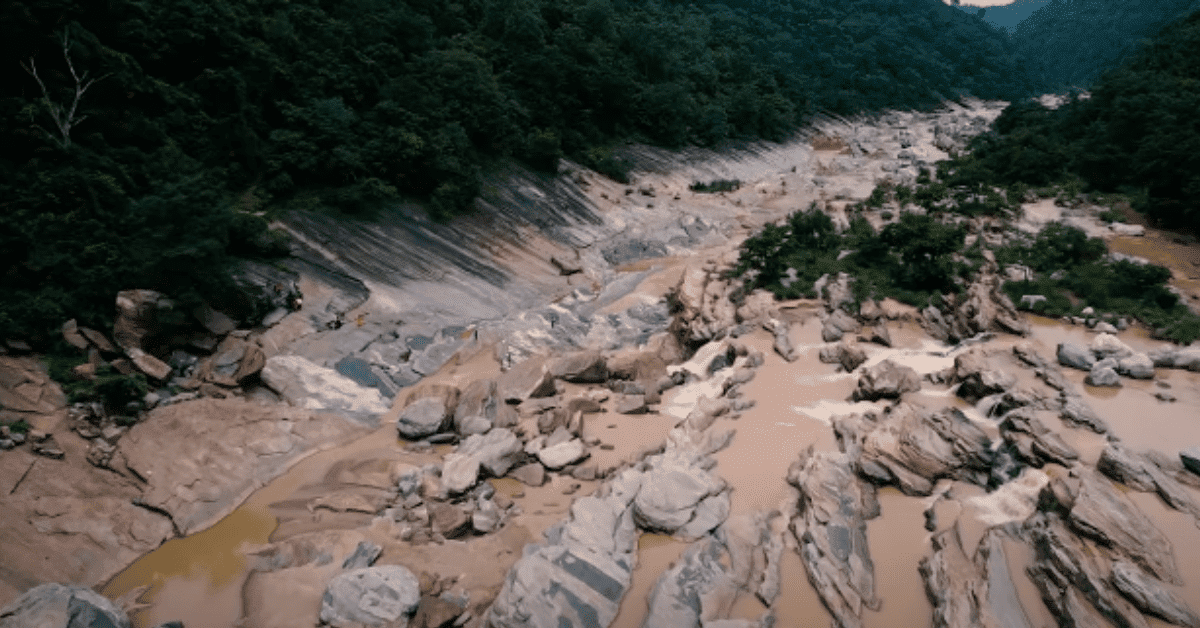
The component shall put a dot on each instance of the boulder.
(382, 596)
(673, 489)
(877, 333)
(449, 520)
(581, 367)
(849, 356)
(1076, 412)
(306, 385)
(636, 365)
(1102, 375)
(913, 448)
(422, 418)
(886, 380)
(496, 451)
(459, 473)
(830, 528)
(631, 404)
(70, 333)
(150, 365)
(54, 605)
(977, 378)
(1075, 356)
(529, 379)
(216, 322)
(435, 612)
(1109, 346)
(838, 324)
(1137, 366)
(1035, 443)
(757, 307)
(971, 591)
(533, 474)
(480, 408)
(562, 454)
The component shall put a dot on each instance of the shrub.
(719, 185)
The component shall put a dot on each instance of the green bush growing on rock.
(910, 259)
(719, 185)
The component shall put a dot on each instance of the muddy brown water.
(199, 579)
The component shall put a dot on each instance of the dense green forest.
(1137, 133)
(142, 138)
(1070, 43)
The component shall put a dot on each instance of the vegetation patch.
(719, 185)
(911, 259)
(1073, 272)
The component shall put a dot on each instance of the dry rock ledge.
(1097, 559)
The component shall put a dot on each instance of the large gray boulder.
(382, 596)
(1076, 412)
(971, 591)
(54, 605)
(849, 356)
(1035, 443)
(423, 417)
(977, 378)
(562, 454)
(672, 490)
(1137, 366)
(1075, 356)
(831, 530)
(1102, 513)
(1103, 374)
(837, 325)
(1109, 346)
(886, 380)
(304, 384)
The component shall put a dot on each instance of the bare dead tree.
(64, 119)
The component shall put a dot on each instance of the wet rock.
(1137, 366)
(704, 309)
(1151, 596)
(1142, 473)
(831, 530)
(530, 475)
(757, 307)
(1035, 443)
(913, 448)
(1075, 411)
(582, 367)
(306, 385)
(631, 404)
(971, 592)
(1102, 513)
(567, 264)
(1105, 327)
(699, 589)
(1074, 577)
(54, 605)
(1102, 375)
(886, 380)
(847, 355)
(636, 365)
(372, 596)
(977, 379)
(530, 379)
(459, 473)
(837, 325)
(562, 454)
(1075, 356)
(877, 334)
(486, 517)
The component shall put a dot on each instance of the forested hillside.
(1137, 133)
(1071, 42)
(138, 135)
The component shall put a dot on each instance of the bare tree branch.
(67, 121)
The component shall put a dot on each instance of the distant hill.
(1008, 16)
(1069, 43)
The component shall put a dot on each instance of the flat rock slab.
(306, 385)
(373, 596)
(200, 459)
